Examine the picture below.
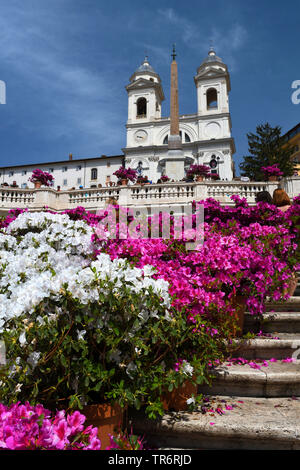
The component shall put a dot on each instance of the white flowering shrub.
(80, 328)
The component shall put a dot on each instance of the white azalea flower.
(186, 368)
(51, 257)
(22, 339)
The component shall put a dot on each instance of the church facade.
(206, 135)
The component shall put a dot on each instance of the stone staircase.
(264, 403)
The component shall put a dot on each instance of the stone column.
(175, 158)
(174, 110)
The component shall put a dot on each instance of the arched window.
(141, 107)
(186, 138)
(94, 173)
(212, 98)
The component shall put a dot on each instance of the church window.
(141, 107)
(212, 98)
(94, 173)
(186, 138)
(65, 182)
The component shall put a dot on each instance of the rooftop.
(212, 57)
(77, 159)
(292, 132)
(145, 67)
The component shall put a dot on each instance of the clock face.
(140, 136)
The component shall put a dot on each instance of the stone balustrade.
(163, 195)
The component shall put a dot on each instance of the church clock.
(140, 136)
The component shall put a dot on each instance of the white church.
(205, 136)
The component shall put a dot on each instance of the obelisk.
(175, 158)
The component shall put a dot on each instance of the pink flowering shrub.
(271, 170)
(198, 170)
(249, 251)
(125, 441)
(41, 176)
(26, 427)
(126, 173)
(164, 178)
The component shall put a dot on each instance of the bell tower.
(214, 122)
(213, 85)
(145, 95)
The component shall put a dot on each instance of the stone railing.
(14, 198)
(162, 195)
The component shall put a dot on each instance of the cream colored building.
(68, 174)
(293, 138)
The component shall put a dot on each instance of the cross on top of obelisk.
(174, 52)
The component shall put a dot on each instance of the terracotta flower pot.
(199, 178)
(273, 178)
(239, 304)
(124, 182)
(176, 400)
(107, 418)
(37, 184)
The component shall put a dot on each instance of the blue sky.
(66, 64)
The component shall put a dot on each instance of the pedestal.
(175, 169)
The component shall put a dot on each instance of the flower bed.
(86, 318)
(82, 328)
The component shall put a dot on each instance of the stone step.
(277, 380)
(267, 348)
(252, 424)
(290, 305)
(272, 322)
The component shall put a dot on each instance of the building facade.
(293, 138)
(206, 135)
(68, 174)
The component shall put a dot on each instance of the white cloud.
(80, 101)
(226, 41)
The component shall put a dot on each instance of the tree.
(267, 147)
